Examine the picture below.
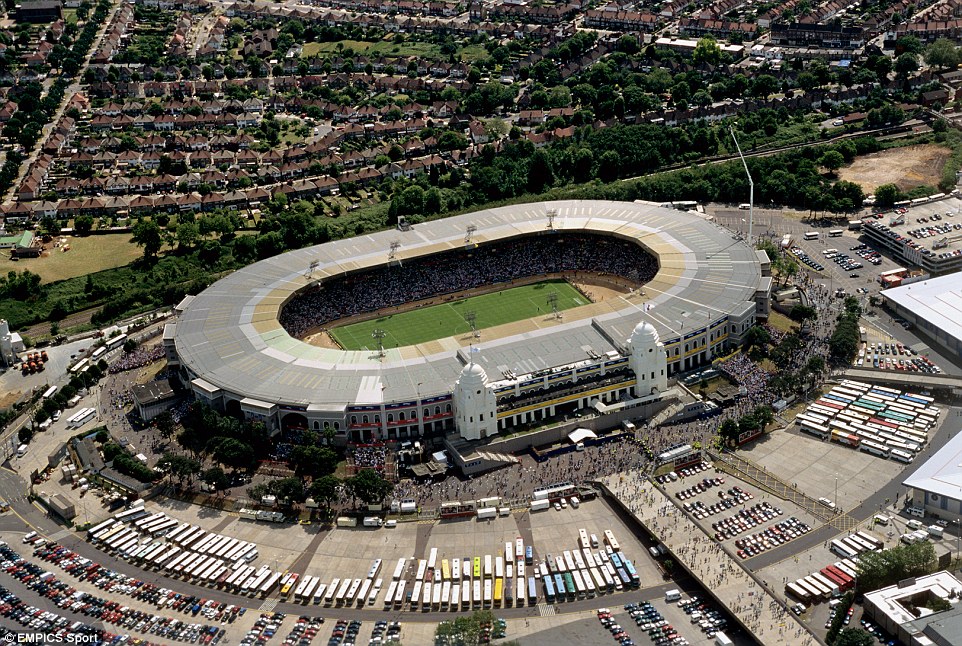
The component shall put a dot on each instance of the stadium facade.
(230, 349)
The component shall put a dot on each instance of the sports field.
(448, 319)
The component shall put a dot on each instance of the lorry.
(934, 531)
(370, 521)
(627, 427)
(487, 512)
(346, 521)
(540, 505)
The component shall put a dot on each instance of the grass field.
(428, 51)
(86, 256)
(440, 321)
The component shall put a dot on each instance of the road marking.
(268, 605)
(546, 610)
(63, 533)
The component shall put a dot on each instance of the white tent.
(580, 435)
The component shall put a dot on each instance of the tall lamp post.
(751, 184)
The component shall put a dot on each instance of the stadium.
(279, 341)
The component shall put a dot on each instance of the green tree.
(83, 224)
(313, 461)
(216, 478)
(707, 51)
(540, 175)
(187, 235)
(165, 424)
(764, 85)
(888, 567)
(325, 489)
(908, 45)
(233, 453)
(146, 234)
(463, 631)
(855, 637)
(906, 64)
(289, 489)
(803, 312)
(729, 431)
(756, 337)
(888, 194)
(368, 486)
(179, 466)
(942, 54)
(831, 161)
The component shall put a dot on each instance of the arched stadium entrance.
(293, 421)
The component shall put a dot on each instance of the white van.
(828, 503)
(913, 524)
(881, 519)
(574, 502)
(672, 595)
(918, 512)
(21, 450)
(934, 531)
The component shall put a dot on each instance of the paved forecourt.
(754, 606)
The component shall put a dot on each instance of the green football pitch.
(447, 319)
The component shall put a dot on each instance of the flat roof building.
(937, 484)
(153, 398)
(934, 306)
(901, 610)
(934, 245)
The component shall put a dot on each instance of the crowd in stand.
(746, 373)
(138, 358)
(457, 271)
(369, 457)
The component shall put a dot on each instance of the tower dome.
(644, 333)
(648, 360)
(473, 373)
(475, 404)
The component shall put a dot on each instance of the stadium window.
(650, 349)
(427, 413)
(401, 416)
(652, 374)
(337, 426)
(478, 393)
(377, 419)
(437, 410)
(316, 425)
(365, 419)
(353, 419)
(447, 409)
(481, 417)
(471, 420)
(390, 417)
